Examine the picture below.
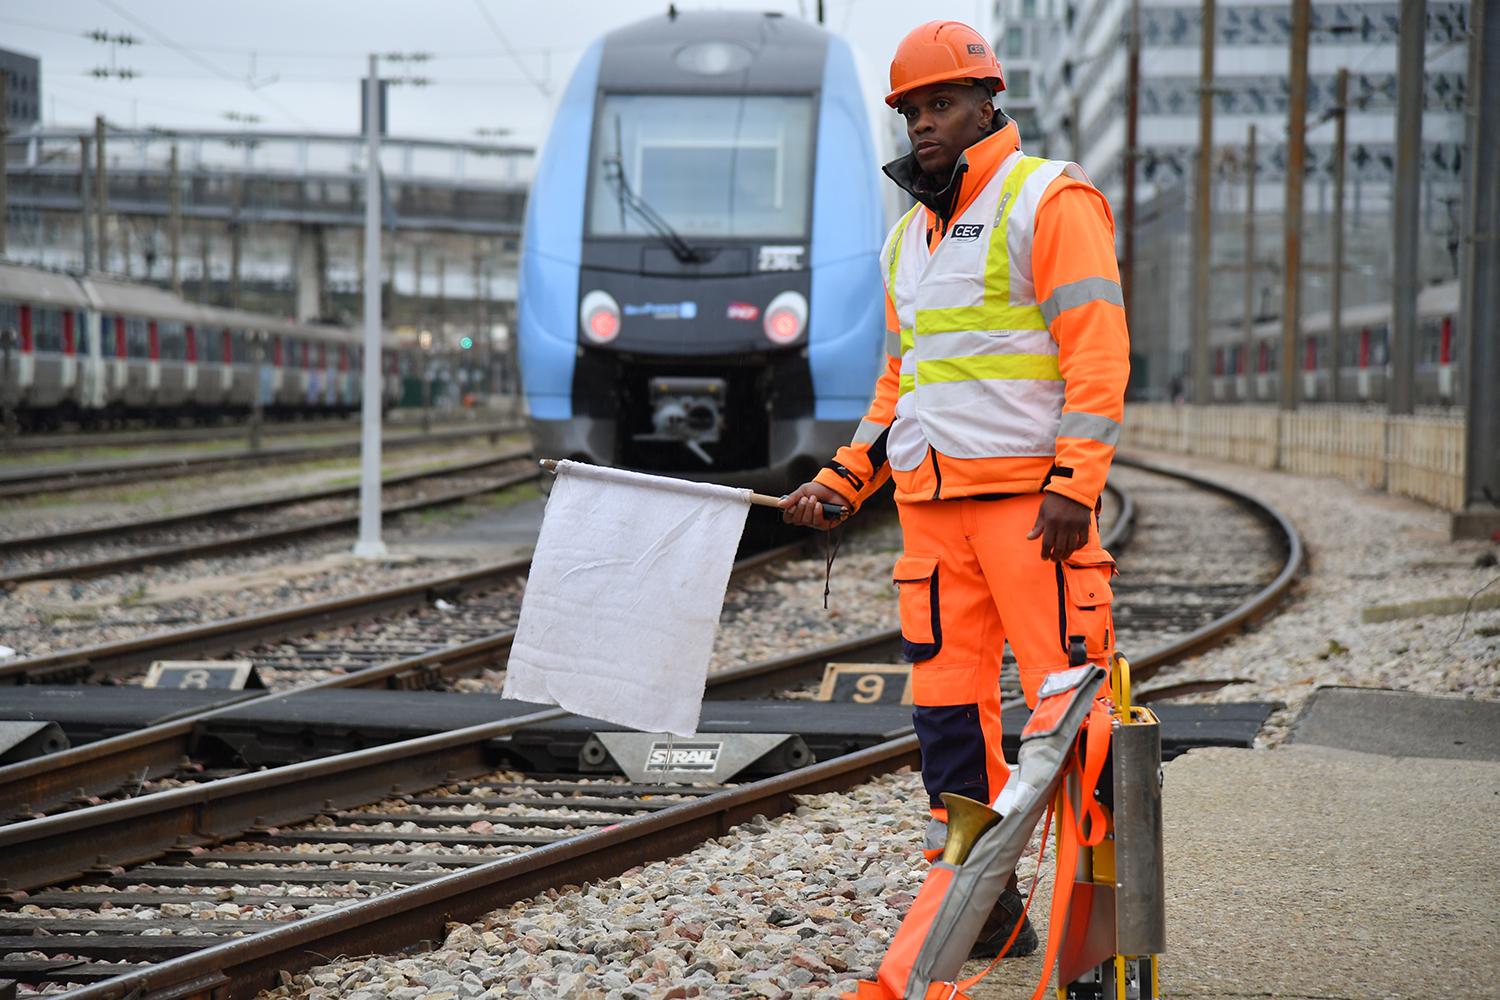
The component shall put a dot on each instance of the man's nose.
(923, 123)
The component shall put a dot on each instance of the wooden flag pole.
(832, 511)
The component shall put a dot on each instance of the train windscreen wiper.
(615, 169)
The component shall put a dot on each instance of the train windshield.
(709, 165)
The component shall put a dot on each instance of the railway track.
(110, 547)
(227, 433)
(23, 481)
(229, 842)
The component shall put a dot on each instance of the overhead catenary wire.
(201, 61)
(489, 19)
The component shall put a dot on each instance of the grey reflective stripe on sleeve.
(869, 432)
(893, 343)
(1091, 426)
(937, 835)
(1081, 292)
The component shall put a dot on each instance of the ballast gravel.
(1364, 549)
(802, 905)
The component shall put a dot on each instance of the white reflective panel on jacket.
(979, 371)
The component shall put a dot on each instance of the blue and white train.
(700, 291)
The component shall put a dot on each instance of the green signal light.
(466, 343)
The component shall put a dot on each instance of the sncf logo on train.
(684, 756)
(965, 233)
(742, 310)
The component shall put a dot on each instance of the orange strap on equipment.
(1088, 765)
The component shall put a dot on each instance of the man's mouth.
(927, 147)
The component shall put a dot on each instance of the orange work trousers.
(970, 581)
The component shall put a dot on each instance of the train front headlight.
(786, 317)
(599, 315)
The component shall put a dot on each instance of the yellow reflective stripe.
(958, 319)
(997, 313)
(908, 341)
(1042, 367)
(899, 238)
(908, 384)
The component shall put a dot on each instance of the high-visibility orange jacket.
(1007, 351)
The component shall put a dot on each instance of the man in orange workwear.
(997, 415)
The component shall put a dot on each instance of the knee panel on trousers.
(953, 751)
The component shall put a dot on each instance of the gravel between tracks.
(803, 904)
(1364, 548)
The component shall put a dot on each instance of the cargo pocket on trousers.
(1085, 622)
(921, 629)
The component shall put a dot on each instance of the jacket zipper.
(937, 491)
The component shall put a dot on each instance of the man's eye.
(940, 105)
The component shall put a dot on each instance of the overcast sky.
(294, 64)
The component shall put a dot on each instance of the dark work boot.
(998, 925)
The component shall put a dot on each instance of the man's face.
(943, 120)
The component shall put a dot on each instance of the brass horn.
(967, 821)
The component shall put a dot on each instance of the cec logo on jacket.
(965, 233)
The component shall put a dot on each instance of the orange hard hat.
(942, 52)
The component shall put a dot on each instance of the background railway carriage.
(96, 348)
(700, 290)
(1363, 369)
(44, 316)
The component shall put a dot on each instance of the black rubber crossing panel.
(318, 723)
(1400, 724)
(92, 712)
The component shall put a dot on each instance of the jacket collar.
(947, 198)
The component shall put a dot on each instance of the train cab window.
(173, 340)
(47, 331)
(137, 338)
(711, 165)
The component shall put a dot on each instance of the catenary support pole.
(1251, 355)
(86, 202)
(1479, 289)
(370, 545)
(1132, 156)
(4, 134)
(1296, 155)
(1203, 212)
(174, 225)
(1336, 284)
(101, 194)
(1411, 51)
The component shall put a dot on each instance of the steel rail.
(64, 441)
(1267, 599)
(397, 920)
(40, 784)
(407, 916)
(160, 521)
(62, 479)
(266, 536)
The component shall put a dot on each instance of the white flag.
(624, 595)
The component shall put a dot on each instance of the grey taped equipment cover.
(978, 882)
